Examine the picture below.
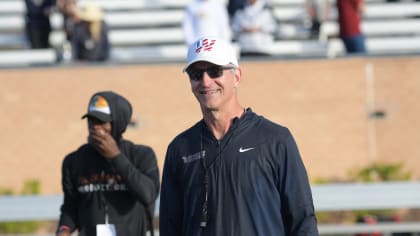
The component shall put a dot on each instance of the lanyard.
(102, 199)
(204, 211)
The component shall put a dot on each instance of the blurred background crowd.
(99, 30)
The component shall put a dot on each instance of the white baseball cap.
(213, 50)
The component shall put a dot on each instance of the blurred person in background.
(89, 41)
(254, 28)
(37, 20)
(68, 10)
(110, 184)
(318, 12)
(350, 14)
(235, 5)
(205, 17)
(400, 0)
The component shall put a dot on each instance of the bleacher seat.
(153, 27)
(28, 57)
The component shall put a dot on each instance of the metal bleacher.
(150, 31)
(327, 198)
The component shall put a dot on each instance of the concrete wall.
(325, 103)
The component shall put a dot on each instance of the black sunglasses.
(213, 72)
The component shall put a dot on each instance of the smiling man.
(234, 173)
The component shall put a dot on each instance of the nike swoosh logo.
(245, 149)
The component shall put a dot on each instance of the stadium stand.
(327, 198)
(150, 31)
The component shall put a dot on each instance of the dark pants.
(355, 44)
(315, 27)
(38, 35)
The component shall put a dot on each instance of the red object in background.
(370, 220)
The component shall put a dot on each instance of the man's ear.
(237, 76)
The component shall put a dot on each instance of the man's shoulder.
(82, 149)
(270, 129)
(193, 131)
(79, 154)
(136, 147)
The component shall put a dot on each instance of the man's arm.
(326, 10)
(360, 7)
(141, 173)
(142, 177)
(68, 217)
(171, 202)
(298, 209)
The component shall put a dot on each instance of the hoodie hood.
(111, 107)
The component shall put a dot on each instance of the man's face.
(216, 90)
(96, 126)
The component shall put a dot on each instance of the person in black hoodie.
(110, 184)
(38, 26)
(233, 173)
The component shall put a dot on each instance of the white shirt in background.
(206, 18)
(255, 15)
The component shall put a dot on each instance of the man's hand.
(104, 143)
(64, 233)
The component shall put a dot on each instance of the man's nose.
(206, 79)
